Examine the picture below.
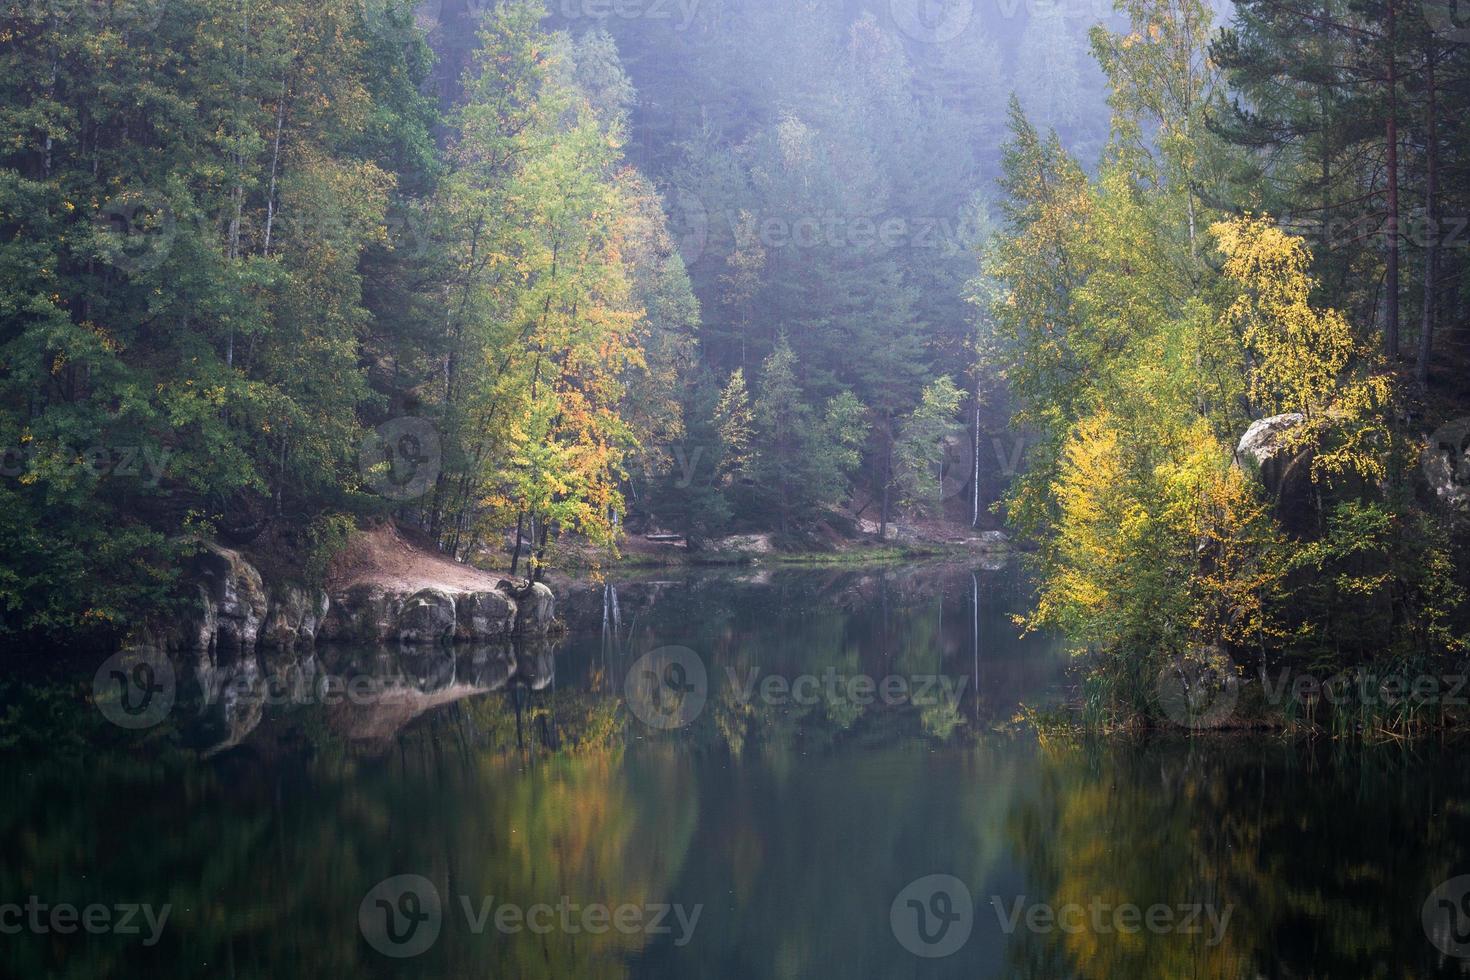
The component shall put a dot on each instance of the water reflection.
(517, 778)
(806, 654)
(1323, 855)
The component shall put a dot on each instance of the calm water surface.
(809, 825)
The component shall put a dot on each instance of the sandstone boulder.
(427, 616)
(483, 616)
(295, 616)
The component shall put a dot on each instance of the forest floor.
(394, 558)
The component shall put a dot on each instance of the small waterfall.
(609, 638)
(612, 622)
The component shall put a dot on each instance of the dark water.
(770, 835)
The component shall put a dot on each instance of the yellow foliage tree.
(1302, 359)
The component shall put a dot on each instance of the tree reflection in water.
(519, 776)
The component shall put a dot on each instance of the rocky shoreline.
(232, 610)
(373, 650)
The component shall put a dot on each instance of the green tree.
(804, 460)
(920, 450)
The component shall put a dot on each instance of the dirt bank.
(392, 558)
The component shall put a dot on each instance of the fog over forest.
(1170, 298)
(734, 488)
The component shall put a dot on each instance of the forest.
(1176, 294)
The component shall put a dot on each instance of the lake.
(754, 773)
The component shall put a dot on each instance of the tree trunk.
(975, 470)
(1431, 219)
(1391, 280)
(281, 473)
(270, 198)
(515, 555)
(238, 193)
(887, 483)
(541, 551)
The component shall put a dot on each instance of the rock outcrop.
(231, 602)
(367, 613)
(294, 618)
(372, 613)
(1265, 439)
(419, 632)
(535, 605)
(484, 614)
(742, 547)
(231, 612)
(989, 541)
(1446, 465)
(1284, 468)
(427, 616)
